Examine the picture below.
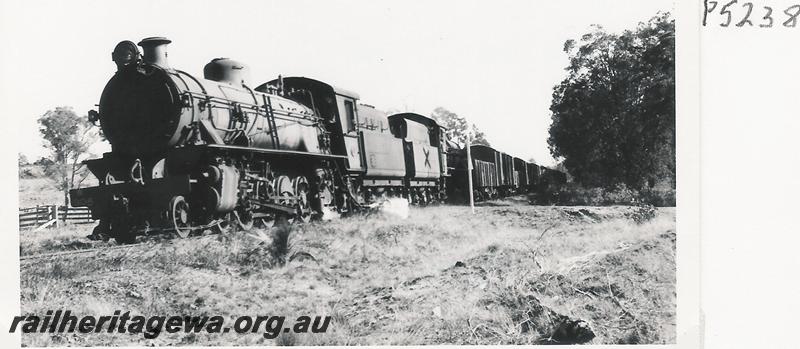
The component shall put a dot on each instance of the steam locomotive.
(190, 153)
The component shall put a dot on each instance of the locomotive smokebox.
(155, 51)
(227, 70)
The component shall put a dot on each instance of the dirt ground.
(509, 274)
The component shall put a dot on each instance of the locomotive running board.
(276, 152)
(278, 208)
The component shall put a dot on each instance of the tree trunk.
(66, 190)
(71, 182)
(66, 196)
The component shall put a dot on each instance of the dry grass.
(35, 188)
(443, 276)
(38, 191)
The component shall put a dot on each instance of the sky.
(493, 62)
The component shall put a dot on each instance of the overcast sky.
(493, 62)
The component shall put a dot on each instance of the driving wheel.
(179, 215)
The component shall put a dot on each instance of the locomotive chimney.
(155, 51)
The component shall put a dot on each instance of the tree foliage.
(614, 114)
(458, 127)
(68, 138)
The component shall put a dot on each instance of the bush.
(642, 213)
(659, 197)
(26, 173)
(621, 195)
(572, 194)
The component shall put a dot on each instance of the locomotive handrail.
(255, 101)
(203, 88)
(278, 116)
(252, 93)
(244, 104)
(256, 109)
(191, 98)
(276, 151)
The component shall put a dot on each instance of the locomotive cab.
(335, 106)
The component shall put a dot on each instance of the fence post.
(55, 214)
(469, 173)
(37, 215)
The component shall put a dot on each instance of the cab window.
(350, 115)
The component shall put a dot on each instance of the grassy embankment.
(442, 276)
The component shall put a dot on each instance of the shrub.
(572, 194)
(620, 195)
(280, 247)
(659, 197)
(642, 213)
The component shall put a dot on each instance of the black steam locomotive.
(191, 153)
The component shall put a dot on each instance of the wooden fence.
(43, 216)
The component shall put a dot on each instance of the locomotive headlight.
(93, 117)
(125, 53)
